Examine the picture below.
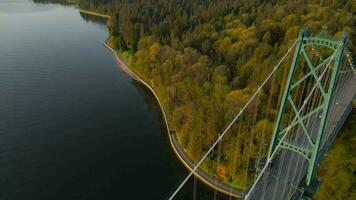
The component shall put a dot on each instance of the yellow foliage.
(154, 51)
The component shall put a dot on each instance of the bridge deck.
(288, 168)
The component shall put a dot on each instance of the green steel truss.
(311, 152)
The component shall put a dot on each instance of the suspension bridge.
(315, 100)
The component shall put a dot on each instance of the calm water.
(72, 124)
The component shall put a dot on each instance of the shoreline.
(212, 183)
(94, 13)
(172, 138)
(71, 1)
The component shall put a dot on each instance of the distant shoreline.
(71, 1)
(87, 11)
(94, 13)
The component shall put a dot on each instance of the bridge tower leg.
(314, 138)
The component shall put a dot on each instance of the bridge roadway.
(288, 168)
(283, 180)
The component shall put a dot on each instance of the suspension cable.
(351, 63)
(232, 122)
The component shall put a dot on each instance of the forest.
(204, 58)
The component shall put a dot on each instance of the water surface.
(72, 124)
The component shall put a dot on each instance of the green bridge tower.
(336, 49)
